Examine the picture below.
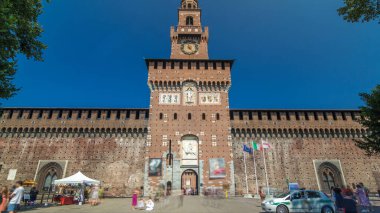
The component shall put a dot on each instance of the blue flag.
(247, 149)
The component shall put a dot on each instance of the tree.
(370, 119)
(19, 34)
(360, 10)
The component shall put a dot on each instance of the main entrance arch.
(189, 182)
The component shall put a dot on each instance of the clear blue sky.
(289, 54)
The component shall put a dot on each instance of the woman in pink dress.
(134, 198)
(5, 196)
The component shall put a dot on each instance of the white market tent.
(76, 179)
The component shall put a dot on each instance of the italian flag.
(255, 146)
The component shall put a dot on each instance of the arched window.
(203, 116)
(189, 116)
(175, 116)
(189, 6)
(161, 116)
(328, 178)
(217, 116)
(50, 178)
(189, 21)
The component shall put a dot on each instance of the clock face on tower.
(189, 47)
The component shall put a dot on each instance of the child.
(149, 204)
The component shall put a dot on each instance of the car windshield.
(281, 195)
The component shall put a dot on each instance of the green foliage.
(360, 10)
(19, 34)
(370, 119)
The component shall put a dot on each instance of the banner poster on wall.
(217, 168)
(155, 167)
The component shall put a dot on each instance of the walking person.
(262, 194)
(134, 198)
(5, 199)
(16, 197)
(94, 195)
(362, 198)
(33, 194)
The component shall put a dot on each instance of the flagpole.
(254, 165)
(265, 165)
(245, 171)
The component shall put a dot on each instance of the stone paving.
(171, 205)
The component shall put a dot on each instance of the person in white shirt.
(149, 204)
(16, 197)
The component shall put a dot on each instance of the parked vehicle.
(300, 201)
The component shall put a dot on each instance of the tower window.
(260, 116)
(269, 115)
(172, 65)
(217, 116)
(108, 115)
(306, 116)
(10, 114)
(250, 116)
(198, 65)
(189, 21)
(344, 116)
(223, 66)
(161, 116)
(214, 65)
(175, 116)
(325, 116)
(30, 114)
(137, 115)
(20, 114)
(316, 116)
(279, 116)
(334, 116)
(189, 6)
(241, 117)
(206, 65)
(203, 116)
(287, 116)
(181, 65)
(189, 116)
(50, 114)
(128, 115)
(189, 65)
(118, 115)
(164, 65)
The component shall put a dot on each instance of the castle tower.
(188, 143)
(189, 40)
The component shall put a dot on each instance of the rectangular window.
(279, 116)
(59, 116)
(108, 114)
(79, 115)
(128, 115)
(172, 65)
(206, 65)
(40, 113)
(69, 115)
(353, 117)
(198, 65)
(180, 65)
(269, 115)
(241, 116)
(203, 116)
(1, 113)
(164, 65)
(20, 114)
(10, 114)
(334, 116)
(99, 115)
(189, 65)
(214, 65)
(316, 116)
(306, 116)
(30, 115)
(297, 116)
(231, 115)
(155, 65)
(287, 116)
(344, 116)
(250, 116)
(118, 115)
(146, 115)
(325, 117)
(137, 115)
(50, 115)
(89, 114)
(260, 116)
(223, 66)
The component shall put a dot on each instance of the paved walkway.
(172, 205)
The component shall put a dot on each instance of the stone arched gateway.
(329, 176)
(47, 174)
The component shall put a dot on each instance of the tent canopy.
(75, 179)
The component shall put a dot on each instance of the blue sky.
(289, 54)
